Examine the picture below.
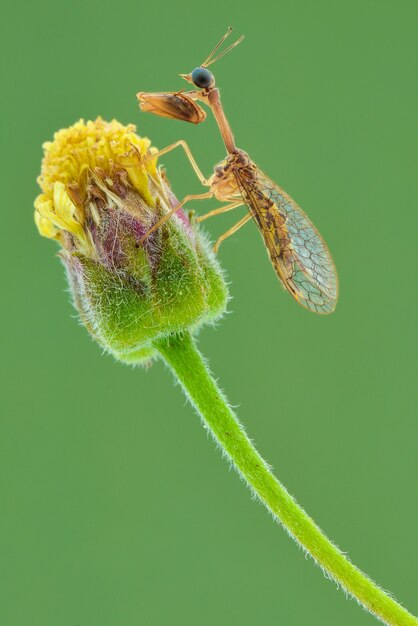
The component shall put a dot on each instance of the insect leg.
(198, 196)
(189, 155)
(232, 230)
(222, 209)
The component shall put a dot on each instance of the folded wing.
(297, 251)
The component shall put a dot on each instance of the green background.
(116, 508)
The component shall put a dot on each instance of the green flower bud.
(102, 193)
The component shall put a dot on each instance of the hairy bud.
(101, 193)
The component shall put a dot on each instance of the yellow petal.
(45, 227)
(86, 146)
(64, 212)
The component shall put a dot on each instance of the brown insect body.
(224, 183)
(234, 178)
(297, 251)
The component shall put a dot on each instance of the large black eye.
(201, 77)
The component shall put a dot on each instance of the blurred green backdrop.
(117, 510)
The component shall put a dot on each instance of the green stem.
(181, 354)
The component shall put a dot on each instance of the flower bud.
(101, 193)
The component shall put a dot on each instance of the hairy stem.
(188, 366)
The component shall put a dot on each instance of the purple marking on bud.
(180, 213)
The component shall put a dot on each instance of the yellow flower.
(73, 155)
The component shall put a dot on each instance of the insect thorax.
(224, 184)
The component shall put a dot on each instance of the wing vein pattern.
(297, 251)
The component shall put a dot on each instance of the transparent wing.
(297, 251)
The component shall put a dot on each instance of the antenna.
(210, 60)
